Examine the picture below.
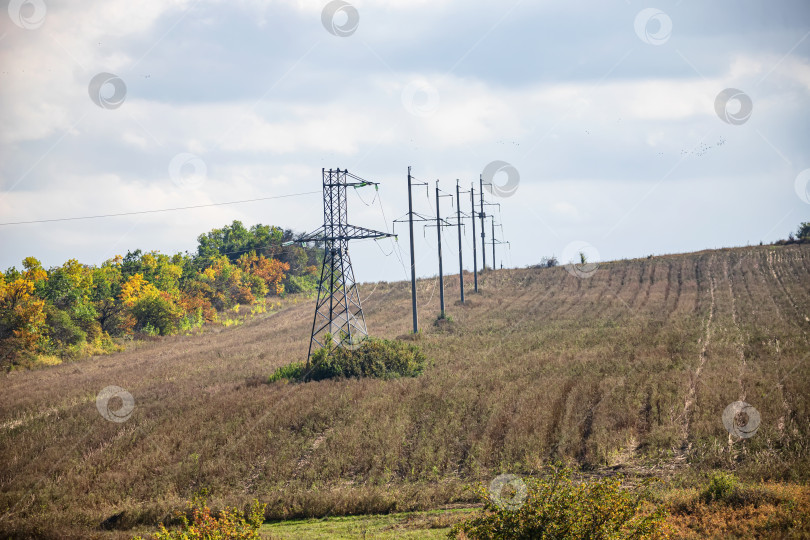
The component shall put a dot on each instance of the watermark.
(420, 98)
(27, 14)
(496, 169)
(346, 331)
(108, 91)
(352, 342)
(188, 171)
(741, 419)
(106, 403)
(581, 259)
(653, 26)
(733, 106)
(803, 185)
(508, 492)
(340, 18)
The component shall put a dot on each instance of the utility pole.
(413, 260)
(483, 233)
(439, 236)
(338, 312)
(494, 263)
(472, 216)
(411, 220)
(496, 241)
(460, 260)
(439, 224)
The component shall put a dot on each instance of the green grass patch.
(408, 525)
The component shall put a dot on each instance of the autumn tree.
(22, 316)
(270, 271)
(224, 284)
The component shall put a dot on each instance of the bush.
(379, 358)
(229, 524)
(291, 372)
(62, 331)
(297, 284)
(722, 487)
(559, 508)
(157, 314)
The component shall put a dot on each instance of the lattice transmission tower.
(338, 311)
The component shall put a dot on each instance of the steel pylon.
(338, 311)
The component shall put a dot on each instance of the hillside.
(629, 369)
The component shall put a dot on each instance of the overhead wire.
(139, 212)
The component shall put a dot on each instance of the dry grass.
(631, 368)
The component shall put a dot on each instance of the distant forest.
(76, 309)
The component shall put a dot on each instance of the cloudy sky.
(613, 118)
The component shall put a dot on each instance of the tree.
(110, 311)
(224, 285)
(270, 271)
(158, 312)
(803, 233)
(22, 317)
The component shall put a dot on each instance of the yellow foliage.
(34, 270)
(22, 312)
(135, 288)
(81, 277)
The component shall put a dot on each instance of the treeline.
(78, 309)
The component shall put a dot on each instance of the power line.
(160, 210)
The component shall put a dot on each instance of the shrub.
(158, 313)
(291, 372)
(722, 487)
(559, 508)
(297, 284)
(61, 328)
(379, 358)
(229, 524)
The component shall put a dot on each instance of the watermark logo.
(508, 492)
(581, 259)
(340, 18)
(741, 419)
(352, 342)
(108, 91)
(803, 185)
(498, 169)
(420, 98)
(27, 14)
(733, 106)
(188, 171)
(115, 404)
(347, 332)
(653, 26)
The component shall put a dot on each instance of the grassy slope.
(630, 368)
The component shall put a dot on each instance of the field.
(628, 370)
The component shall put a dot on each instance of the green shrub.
(157, 313)
(291, 372)
(306, 284)
(62, 330)
(190, 321)
(559, 508)
(722, 487)
(379, 358)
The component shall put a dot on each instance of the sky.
(619, 128)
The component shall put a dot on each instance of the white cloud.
(587, 150)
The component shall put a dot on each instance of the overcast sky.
(614, 117)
